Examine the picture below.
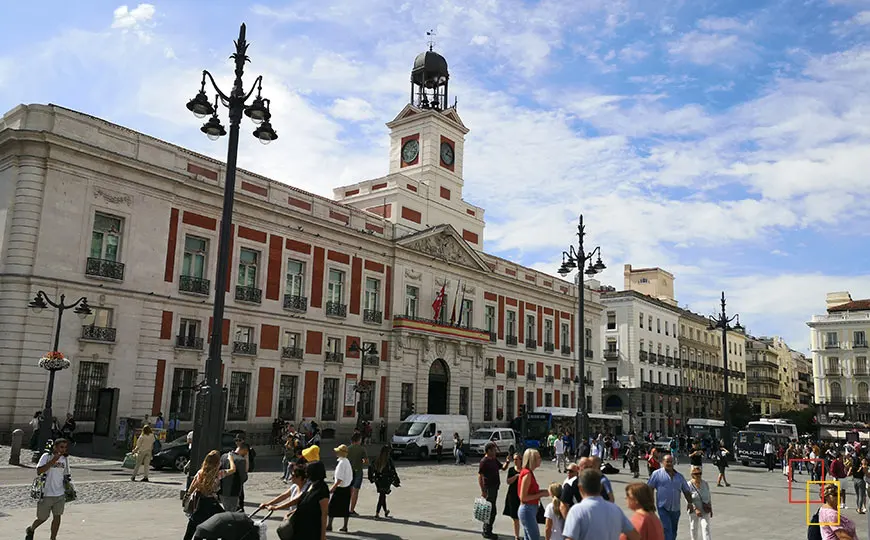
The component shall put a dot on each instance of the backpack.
(814, 531)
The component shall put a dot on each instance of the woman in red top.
(639, 497)
(530, 495)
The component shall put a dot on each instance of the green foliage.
(741, 412)
(803, 419)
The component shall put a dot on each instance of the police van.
(750, 445)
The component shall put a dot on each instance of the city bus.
(561, 419)
(780, 426)
(705, 428)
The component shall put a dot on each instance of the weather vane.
(431, 33)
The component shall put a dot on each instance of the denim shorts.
(357, 480)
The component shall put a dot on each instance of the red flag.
(439, 301)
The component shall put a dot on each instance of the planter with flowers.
(53, 361)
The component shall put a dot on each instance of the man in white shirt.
(54, 466)
(769, 455)
(559, 449)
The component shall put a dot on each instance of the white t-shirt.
(559, 446)
(54, 476)
(551, 514)
(596, 449)
(344, 472)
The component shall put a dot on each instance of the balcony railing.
(863, 399)
(373, 316)
(489, 372)
(531, 376)
(660, 359)
(511, 374)
(861, 372)
(336, 309)
(589, 381)
(371, 360)
(98, 333)
(860, 345)
(589, 353)
(531, 344)
(832, 371)
(493, 337)
(510, 340)
(189, 342)
(643, 356)
(549, 379)
(251, 295)
(611, 354)
(669, 361)
(292, 352)
(294, 302)
(244, 347)
(334, 358)
(566, 380)
(832, 345)
(103, 268)
(549, 347)
(566, 349)
(440, 328)
(611, 385)
(194, 285)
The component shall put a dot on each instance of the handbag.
(482, 510)
(707, 508)
(69, 489)
(540, 517)
(129, 461)
(37, 487)
(190, 502)
(285, 529)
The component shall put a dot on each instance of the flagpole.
(455, 297)
(461, 307)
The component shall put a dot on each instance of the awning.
(840, 435)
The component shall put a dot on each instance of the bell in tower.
(429, 81)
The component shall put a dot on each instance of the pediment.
(453, 115)
(407, 112)
(443, 242)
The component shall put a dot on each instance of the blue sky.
(723, 141)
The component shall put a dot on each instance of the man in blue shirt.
(669, 485)
(593, 518)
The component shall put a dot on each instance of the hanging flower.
(53, 361)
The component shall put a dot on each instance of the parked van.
(503, 438)
(415, 437)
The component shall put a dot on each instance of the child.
(553, 514)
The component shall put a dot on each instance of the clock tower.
(423, 188)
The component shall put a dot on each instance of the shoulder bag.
(190, 501)
(707, 508)
(37, 487)
(69, 489)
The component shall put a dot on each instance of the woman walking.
(829, 514)
(699, 520)
(339, 503)
(530, 495)
(205, 484)
(640, 498)
(299, 483)
(512, 499)
(144, 447)
(382, 473)
(858, 472)
(309, 520)
(722, 464)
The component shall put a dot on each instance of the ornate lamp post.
(722, 322)
(572, 259)
(208, 421)
(361, 388)
(54, 361)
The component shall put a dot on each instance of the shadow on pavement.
(426, 524)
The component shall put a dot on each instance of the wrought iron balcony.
(189, 342)
(860, 345)
(98, 333)
(371, 360)
(531, 377)
(832, 371)
(251, 295)
(292, 352)
(510, 340)
(566, 349)
(589, 381)
(566, 380)
(511, 374)
(669, 361)
(660, 359)
(103, 268)
(294, 302)
(372, 316)
(419, 325)
(611, 385)
(531, 344)
(245, 348)
(336, 309)
(832, 345)
(611, 354)
(194, 285)
(589, 353)
(549, 379)
(493, 337)
(861, 372)
(549, 347)
(334, 358)
(489, 372)
(643, 356)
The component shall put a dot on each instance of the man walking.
(54, 466)
(594, 518)
(570, 490)
(357, 456)
(488, 478)
(669, 485)
(439, 445)
(232, 485)
(559, 449)
(769, 455)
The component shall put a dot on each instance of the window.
(588, 340)
(412, 298)
(641, 376)
(666, 328)
(861, 364)
(649, 323)
(189, 328)
(490, 363)
(373, 292)
(641, 319)
(548, 331)
(489, 318)
(463, 400)
(99, 318)
(509, 400)
(659, 326)
(295, 284)
(335, 289)
(566, 335)
(467, 313)
(668, 378)
(611, 375)
(548, 400)
(106, 237)
(93, 376)
(729, 348)
(407, 399)
(287, 397)
(442, 315)
(512, 324)
(195, 255)
(248, 261)
(530, 327)
(487, 404)
(333, 345)
(329, 401)
(530, 368)
(244, 334)
(511, 366)
(565, 402)
(611, 346)
(836, 392)
(611, 320)
(831, 339)
(183, 394)
(660, 377)
(240, 396)
(530, 401)
(859, 338)
(643, 280)
(588, 403)
(682, 329)
(549, 371)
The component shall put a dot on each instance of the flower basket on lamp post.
(54, 361)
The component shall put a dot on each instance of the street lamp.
(208, 421)
(722, 321)
(360, 388)
(54, 361)
(572, 259)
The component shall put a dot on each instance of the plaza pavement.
(434, 502)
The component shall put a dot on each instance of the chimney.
(834, 299)
(626, 273)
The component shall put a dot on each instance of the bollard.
(15, 455)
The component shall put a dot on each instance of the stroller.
(233, 526)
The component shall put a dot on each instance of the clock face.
(410, 151)
(446, 153)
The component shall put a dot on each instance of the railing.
(832, 371)
(194, 285)
(863, 399)
(252, 295)
(669, 361)
(511, 374)
(861, 372)
(589, 353)
(189, 342)
(531, 376)
(660, 359)
(373, 316)
(643, 356)
(335, 358)
(611, 354)
(104, 268)
(98, 333)
(531, 344)
(371, 360)
(442, 328)
(294, 302)
(861, 345)
(762, 395)
(510, 340)
(589, 381)
(489, 372)
(566, 349)
(292, 352)
(832, 345)
(549, 379)
(244, 347)
(336, 309)
(611, 385)
(566, 380)
(549, 347)
(493, 337)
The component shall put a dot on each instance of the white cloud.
(353, 109)
(862, 18)
(123, 17)
(479, 40)
(707, 49)
(722, 24)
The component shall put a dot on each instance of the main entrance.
(439, 381)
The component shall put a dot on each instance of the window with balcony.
(287, 397)
(466, 315)
(611, 320)
(291, 345)
(93, 376)
(489, 322)
(531, 332)
(548, 399)
(833, 366)
(294, 286)
(548, 332)
(490, 367)
(183, 393)
(372, 305)
(335, 305)
(861, 365)
(511, 328)
(98, 325)
(611, 375)
(859, 339)
(329, 400)
(189, 335)
(193, 266)
(239, 396)
(246, 283)
(565, 400)
(412, 300)
(832, 340)
(244, 341)
(548, 371)
(511, 369)
(566, 338)
(836, 392)
(334, 352)
(510, 403)
(105, 255)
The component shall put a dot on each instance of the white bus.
(705, 428)
(774, 425)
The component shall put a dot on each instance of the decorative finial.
(431, 33)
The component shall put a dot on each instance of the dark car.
(176, 455)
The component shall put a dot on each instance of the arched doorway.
(439, 383)
(613, 403)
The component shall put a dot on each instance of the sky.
(724, 141)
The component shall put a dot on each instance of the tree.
(803, 419)
(741, 412)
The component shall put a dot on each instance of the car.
(663, 444)
(176, 455)
(502, 437)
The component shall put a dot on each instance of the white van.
(415, 436)
(502, 437)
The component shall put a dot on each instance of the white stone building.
(89, 208)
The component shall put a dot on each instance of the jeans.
(669, 520)
(860, 492)
(528, 514)
(492, 497)
(561, 462)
